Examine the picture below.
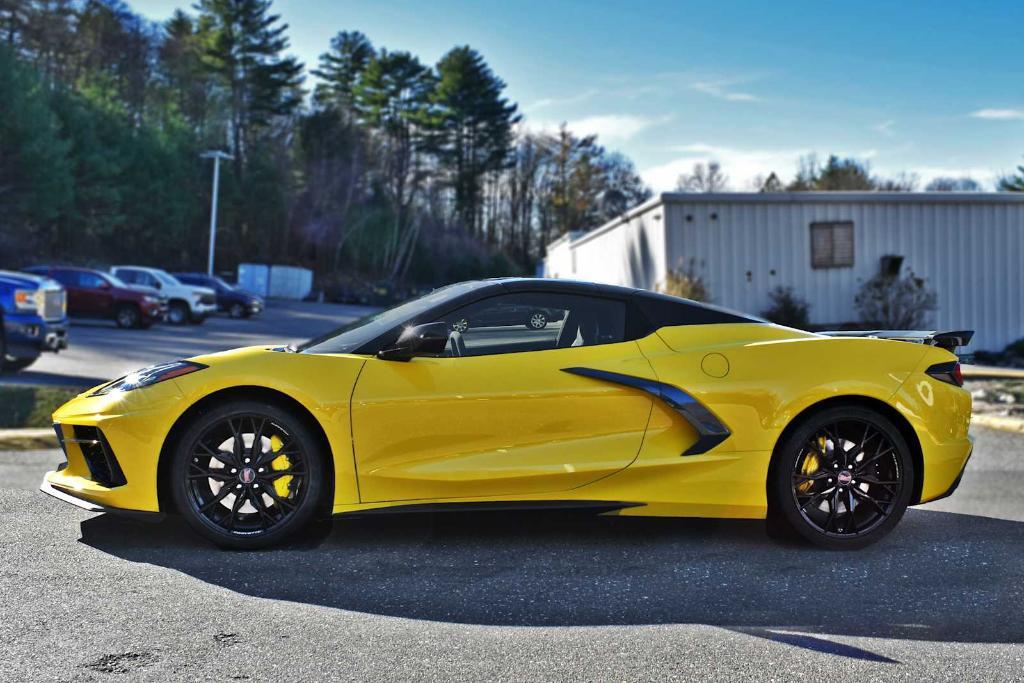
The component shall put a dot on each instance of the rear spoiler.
(949, 341)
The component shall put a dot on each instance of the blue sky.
(933, 88)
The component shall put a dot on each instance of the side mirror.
(421, 340)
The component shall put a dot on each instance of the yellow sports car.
(523, 393)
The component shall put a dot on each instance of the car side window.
(90, 280)
(68, 278)
(128, 276)
(522, 322)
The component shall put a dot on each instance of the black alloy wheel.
(247, 475)
(844, 478)
(128, 316)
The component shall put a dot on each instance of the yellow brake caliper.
(812, 463)
(281, 462)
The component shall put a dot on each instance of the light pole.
(216, 155)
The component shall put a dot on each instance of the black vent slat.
(99, 457)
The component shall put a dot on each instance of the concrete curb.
(27, 439)
(1001, 422)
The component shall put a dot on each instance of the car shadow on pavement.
(940, 576)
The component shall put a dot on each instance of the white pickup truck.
(185, 303)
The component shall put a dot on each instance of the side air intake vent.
(99, 457)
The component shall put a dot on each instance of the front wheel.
(842, 479)
(10, 364)
(237, 311)
(247, 474)
(178, 313)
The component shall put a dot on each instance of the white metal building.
(969, 246)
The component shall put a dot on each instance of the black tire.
(272, 516)
(11, 364)
(538, 320)
(237, 310)
(128, 316)
(178, 313)
(856, 501)
(15, 364)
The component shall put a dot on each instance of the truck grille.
(54, 304)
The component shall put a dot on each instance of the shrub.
(685, 283)
(787, 308)
(896, 303)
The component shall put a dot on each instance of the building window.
(832, 244)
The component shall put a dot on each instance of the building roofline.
(794, 198)
(866, 197)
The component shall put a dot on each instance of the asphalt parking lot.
(516, 597)
(100, 351)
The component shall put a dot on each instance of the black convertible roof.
(663, 309)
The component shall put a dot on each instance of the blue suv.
(33, 319)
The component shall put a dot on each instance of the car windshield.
(355, 334)
(224, 285)
(113, 279)
(166, 278)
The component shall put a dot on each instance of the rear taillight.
(947, 372)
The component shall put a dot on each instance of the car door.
(498, 415)
(97, 294)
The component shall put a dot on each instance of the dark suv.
(95, 294)
(232, 300)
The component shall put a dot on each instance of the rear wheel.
(128, 316)
(247, 475)
(538, 320)
(842, 479)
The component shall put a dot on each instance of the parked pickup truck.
(33, 319)
(186, 303)
(95, 294)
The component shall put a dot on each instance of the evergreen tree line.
(380, 168)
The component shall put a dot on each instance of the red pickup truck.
(95, 294)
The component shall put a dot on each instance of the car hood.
(143, 289)
(25, 280)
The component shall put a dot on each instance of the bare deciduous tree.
(703, 178)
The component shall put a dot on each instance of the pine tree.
(340, 69)
(391, 100)
(245, 52)
(472, 128)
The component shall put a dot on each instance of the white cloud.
(741, 165)
(607, 127)
(562, 101)
(998, 114)
(720, 89)
(885, 128)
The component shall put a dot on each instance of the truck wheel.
(128, 316)
(16, 364)
(178, 313)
